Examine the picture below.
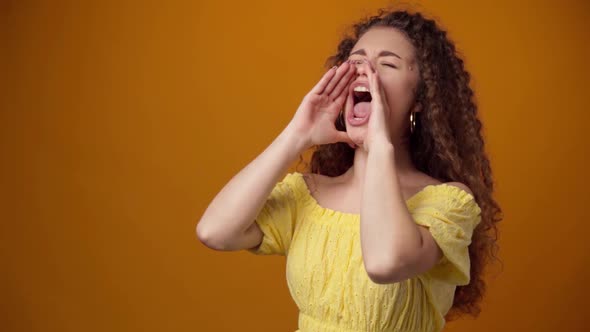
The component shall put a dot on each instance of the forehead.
(378, 38)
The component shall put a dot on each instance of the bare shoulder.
(425, 180)
(460, 186)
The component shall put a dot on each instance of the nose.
(362, 66)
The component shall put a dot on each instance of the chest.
(341, 198)
(325, 263)
(325, 274)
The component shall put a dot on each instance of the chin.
(357, 134)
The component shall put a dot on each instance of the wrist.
(380, 143)
(295, 140)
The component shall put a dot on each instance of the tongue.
(362, 109)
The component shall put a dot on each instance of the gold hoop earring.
(412, 122)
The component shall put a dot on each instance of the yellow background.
(121, 120)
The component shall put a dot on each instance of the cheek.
(399, 94)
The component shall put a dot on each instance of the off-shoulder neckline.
(307, 195)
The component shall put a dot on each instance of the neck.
(403, 165)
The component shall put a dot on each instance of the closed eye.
(389, 65)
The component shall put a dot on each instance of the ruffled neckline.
(305, 194)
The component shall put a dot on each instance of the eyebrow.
(382, 53)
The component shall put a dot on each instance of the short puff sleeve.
(450, 214)
(277, 218)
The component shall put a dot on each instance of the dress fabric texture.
(324, 266)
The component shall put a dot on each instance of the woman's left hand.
(378, 127)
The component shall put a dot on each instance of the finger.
(380, 91)
(366, 64)
(370, 66)
(344, 92)
(370, 72)
(344, 82)
(373, 82)
(321, 85)
(336, 78)
(375, 87)
(339, 101)
(349, 102)
(346, 100)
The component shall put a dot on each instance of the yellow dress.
(325, 272)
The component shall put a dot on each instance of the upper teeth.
(361, 88)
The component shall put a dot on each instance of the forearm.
(236, 206)
(388, 231)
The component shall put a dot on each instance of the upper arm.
(425, 257)
(273, 229)
(252, 237)
(445, 230)
(249, 239)
(419, 261)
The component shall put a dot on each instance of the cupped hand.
(314, 121)
(378, 131)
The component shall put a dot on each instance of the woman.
(391, 228)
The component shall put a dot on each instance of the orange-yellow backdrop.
(121, 120)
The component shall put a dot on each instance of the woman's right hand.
(314, 121)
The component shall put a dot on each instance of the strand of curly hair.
(447, 141)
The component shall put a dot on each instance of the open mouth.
(359, 95)
(361, 109)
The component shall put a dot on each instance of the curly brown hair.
(447, 141)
